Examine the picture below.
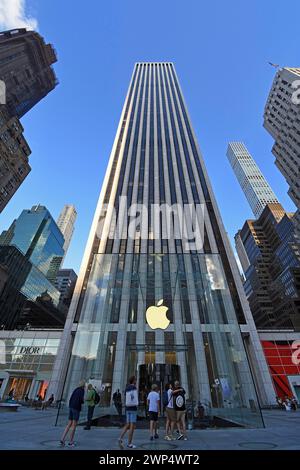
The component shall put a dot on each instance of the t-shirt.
(179, 400)
(77, 398)
(90, 398)
(170, 399)
(153, 398)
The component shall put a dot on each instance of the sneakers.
(181, 436)
(72, 444)
(131, 446)
(121, 443)
(168, 438)
(61, 444)
(151, 438)
(156, 436)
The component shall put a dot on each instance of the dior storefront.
(26, 362)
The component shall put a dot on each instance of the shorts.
(131, 416)
(153, 415)
(180, 414)
(73, 414)
(171, 414)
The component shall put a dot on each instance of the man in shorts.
(131, 404)
(153, 401)
(180, 408)
(75, 403)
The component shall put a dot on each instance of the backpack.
(97, 397)
(131, 398)
(165, 398)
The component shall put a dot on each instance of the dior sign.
(30, 350)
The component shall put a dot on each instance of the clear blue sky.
(221, 51)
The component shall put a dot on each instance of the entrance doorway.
(20, 387)
(159, 374)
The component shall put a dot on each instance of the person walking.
(90, 401)
(75, 403)
(170, 413)
(131, 404)
(117, 399)
(153, 401)
(294, 404)
(48, 402)
(180, 408)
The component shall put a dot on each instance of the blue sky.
(221, 51)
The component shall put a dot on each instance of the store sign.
(156, 316)
(30, 350)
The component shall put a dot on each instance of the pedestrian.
(51, 399)
(131, 404)
(153, 401)
(90, 401)
(279, 402)
(75, 403)
(287, 404)
(294, 404)
(48, 402)
(170, 413)
(117, 399)
(180, 408)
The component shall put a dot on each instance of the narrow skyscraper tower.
(152, 299)
(253, 183)
(65, 223)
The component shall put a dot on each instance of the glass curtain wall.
(162, 317)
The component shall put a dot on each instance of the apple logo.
(156, 316)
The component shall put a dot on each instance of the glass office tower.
(36, 234)
(152, 298)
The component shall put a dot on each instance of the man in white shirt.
(153, 400)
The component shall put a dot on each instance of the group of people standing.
(173, 405)
(76, 401)
(287, 403)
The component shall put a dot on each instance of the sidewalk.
(34, 430)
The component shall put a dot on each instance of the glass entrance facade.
(164, 318)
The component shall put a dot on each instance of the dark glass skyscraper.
(152, 298)
(36, 234)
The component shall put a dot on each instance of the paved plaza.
(30, 429)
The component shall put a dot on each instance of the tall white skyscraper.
(66, 222)
(253, 183)
(150, 301)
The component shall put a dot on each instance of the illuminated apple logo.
(156, 316)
